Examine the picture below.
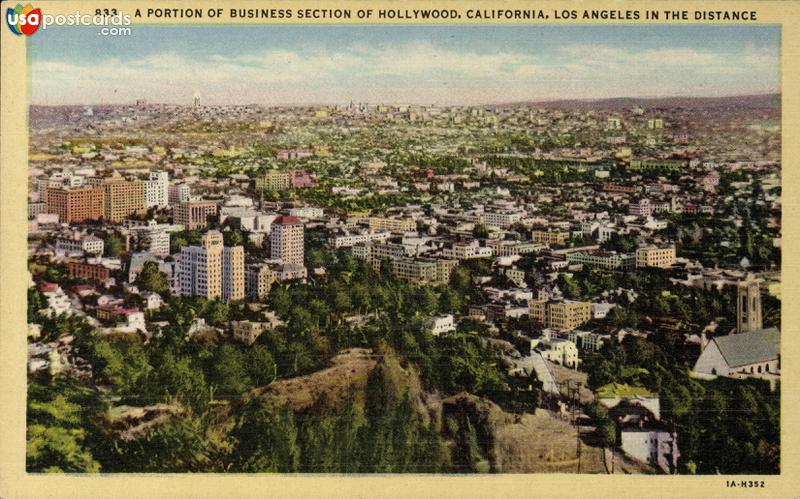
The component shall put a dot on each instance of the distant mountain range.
(763, 101)
(736, 101)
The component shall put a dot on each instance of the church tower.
(748, 305)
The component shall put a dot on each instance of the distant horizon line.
(386, 103)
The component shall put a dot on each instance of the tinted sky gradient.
(411, 64)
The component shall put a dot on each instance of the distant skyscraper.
(196, 100)
(286, 240)
(212, 270)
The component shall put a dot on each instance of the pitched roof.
(749, 348)
(287, 220)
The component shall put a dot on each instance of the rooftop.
(287, 220)
(749, 348)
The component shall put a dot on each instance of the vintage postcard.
(398, 249)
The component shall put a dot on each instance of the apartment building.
(603, 260)
(194, 214)
(566, 314)
(381, 224)
(656, 256)
(550, 236)
(75, 205)
(156, 190)
(258, 281)
(273, 180)
(88, 271)
(122, 197)
(211, 270)
(286, 240)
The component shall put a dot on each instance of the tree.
(151, 279)
(569, 286)
(281, 300)
(229, 371)
(112, 246)
(58, 450)
(449, 301)
(480, 231)
(36, 302)
(261, 366)
(233, 238)
(178, 446)
(427, 301)
(276, 448)
(315, 257)
(59, 415)
(178, 379)
(217, 313)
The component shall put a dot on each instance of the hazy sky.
(409, 64)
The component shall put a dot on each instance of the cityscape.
(574, 285)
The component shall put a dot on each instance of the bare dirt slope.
(332, 386)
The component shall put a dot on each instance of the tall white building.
(286, 240)
(157, 242)
(212, 270)
(156, 190)
(179, 193)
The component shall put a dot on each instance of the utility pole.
(576, 401)
(573, 393)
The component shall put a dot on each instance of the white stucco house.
(442, 324)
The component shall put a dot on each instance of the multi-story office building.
(502, 218)
(273, 180)
(211, 270)
(258, 280)
(178, 193)
(156, 242)
(36, 209)
(512, 248)
(464, 250)
(424, 270)
(307, 212)
(88, 271)
(232, 273)
(194, 214)
(75, 205)
(655, 256)
(122, 197)
(286, 240)
(157, 190)
(79, 245)
(550, 236)
(657, 164)
(379, 224)
(561, 314)
(610, 260)
(641, 208)
(348, 240)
